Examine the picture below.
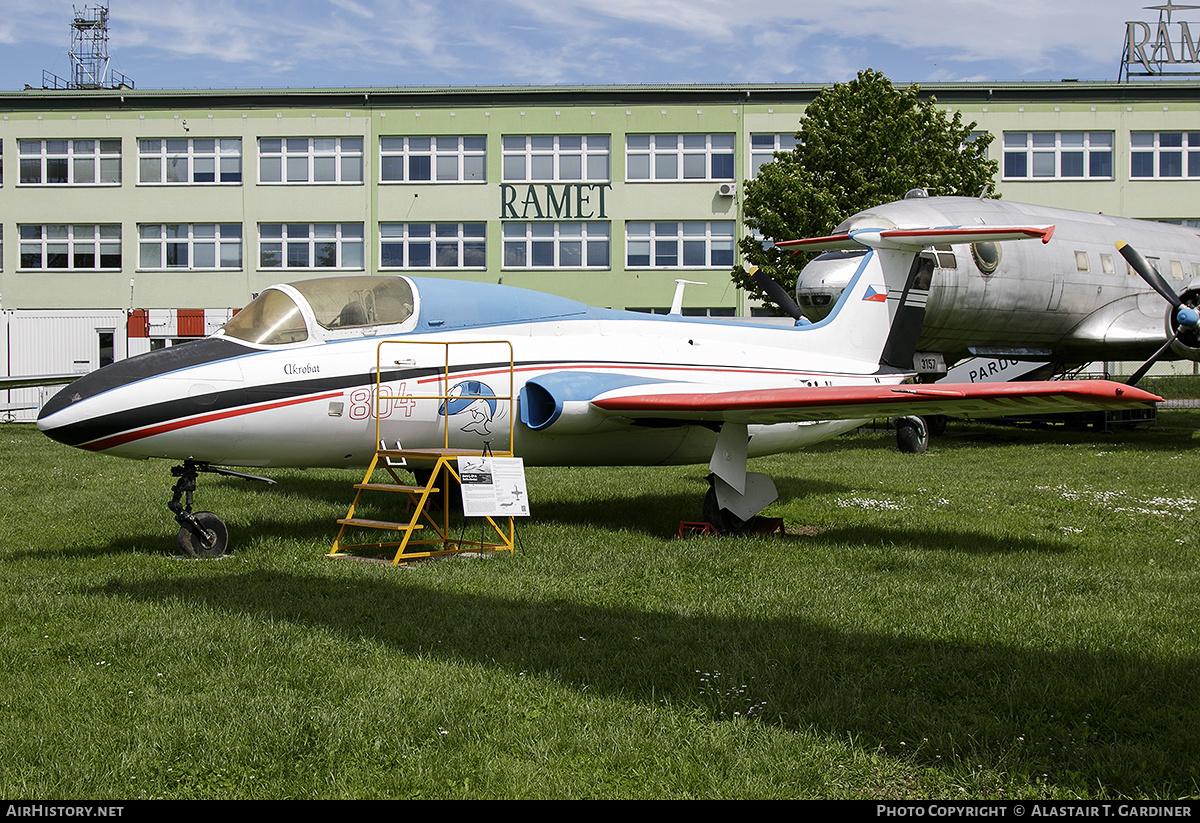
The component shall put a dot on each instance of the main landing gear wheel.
(209, 538)
(912, 435)
(723, 520)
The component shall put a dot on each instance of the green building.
(131, 218)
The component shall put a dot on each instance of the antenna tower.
(89, 54)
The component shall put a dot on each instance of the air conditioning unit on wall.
(727, 189)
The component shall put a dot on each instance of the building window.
(682, 245)
(1049, 155)
(561, 158)
(299, 160)
(432, 246)
(764, 146)
(557, 246)
(679, 157)
(71, 247)
(1164, 155)
(190, 246)
(310, 245)
(433, 159)
(70, 162)
(186, 161)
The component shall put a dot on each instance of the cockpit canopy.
(274, 318)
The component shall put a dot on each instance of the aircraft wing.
(916, 237)
(31, 380)
(979, 400)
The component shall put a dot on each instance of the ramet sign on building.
(1165, 49)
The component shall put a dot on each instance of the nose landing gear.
(201, 534)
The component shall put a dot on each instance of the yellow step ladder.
(433, 520)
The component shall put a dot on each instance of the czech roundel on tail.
(291, 380)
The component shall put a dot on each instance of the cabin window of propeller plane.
(986, 255)
(942, 257)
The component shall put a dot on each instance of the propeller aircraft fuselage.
(1070, 301)
(321, 372)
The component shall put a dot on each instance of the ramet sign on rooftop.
(1167, 49)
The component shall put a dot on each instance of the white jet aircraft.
(291, 380)
(1068, 302)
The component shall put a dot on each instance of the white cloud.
(185, 43)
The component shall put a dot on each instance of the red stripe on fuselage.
(176, 425)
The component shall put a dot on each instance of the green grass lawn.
(1013, 614)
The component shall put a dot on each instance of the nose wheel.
(205, 536)
(201, 534)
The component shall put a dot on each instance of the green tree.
(860, 144)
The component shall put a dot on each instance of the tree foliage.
(860, 144)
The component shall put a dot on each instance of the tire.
(912, 435)
(723, 520)
(192, 546)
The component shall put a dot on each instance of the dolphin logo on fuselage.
(474, 398)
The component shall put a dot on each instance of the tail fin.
(894, 274)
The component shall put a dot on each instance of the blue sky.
(334, 43)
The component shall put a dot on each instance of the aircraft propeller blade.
(1145, 367)
(1148, 273)
(777, 293)
(1186, 317)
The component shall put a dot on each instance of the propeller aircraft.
(291, 380)
(1067, 302)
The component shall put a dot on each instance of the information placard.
(493, 486)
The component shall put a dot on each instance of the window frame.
(1036, 151)
(679, 154)
(104, 152)
(760, 155)
(289, 243)
(1188, 151)
(166, 153)
(536, 150)
(311, 155)
(72, 246)
(464, 150)
(464, 241)
(164, 241)
(538, 237)
(657, 236)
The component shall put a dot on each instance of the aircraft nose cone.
(74, 417)
(49, 420)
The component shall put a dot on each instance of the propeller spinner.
(1186, 319)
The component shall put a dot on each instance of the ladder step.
(392, 487)
(377, 524)
(429, 454)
